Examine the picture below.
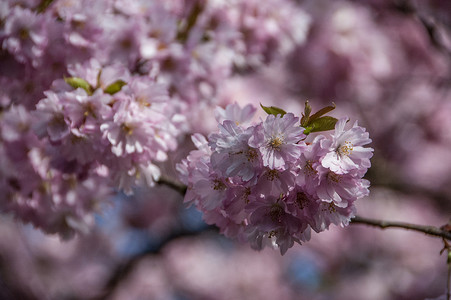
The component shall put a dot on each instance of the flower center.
(24, 34)
(301, 200)
(276, 213)
(308, 168)
(218, 185)
(272, 174)
(272, 234)
(142, 101)
(127, 129)
(331, 176)
(246, 194)
(276, 142)
(331, 208)
(89, 110)
(251, 154)
(345, 149)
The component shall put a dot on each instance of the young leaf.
(115, 87)
(77, 82)
(322, 111)
(321, 124)
(272, 110)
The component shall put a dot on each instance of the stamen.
(24, 34)
(272, 174)
(246, 194)
(302, 200)
(276, 213)
(251, 154)
(127, 129)
(331, 176)
(276, 142)
(142, 101)
(218, 185)
(89, 110)
(308, 168)
(331, 208)
(345, 149)
(271, 234)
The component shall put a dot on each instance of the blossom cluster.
(191, 46)
(266, 183)
(117, 120)
(96, 94)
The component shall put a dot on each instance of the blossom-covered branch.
(271, 182)
(429, 230)
(95, 96)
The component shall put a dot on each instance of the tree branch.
(429, 230)
(430, 25)
(179, 187)
(125, 268)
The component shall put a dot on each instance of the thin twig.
(429, 230)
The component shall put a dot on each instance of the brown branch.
(123, 270)
(179, 187)
(429, 230)
(429, 24)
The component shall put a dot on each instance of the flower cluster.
(113, 120)
(191, 46)
(38, 186)
(266, 183)
(96, 94)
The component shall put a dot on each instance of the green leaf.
(115, 87)
(272, 110)
(77, 82)
(321, 124)
(306, 115)
(322, 111)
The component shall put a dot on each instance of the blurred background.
(385, 63)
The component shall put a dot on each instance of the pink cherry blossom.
(346, 152)
(279, 140)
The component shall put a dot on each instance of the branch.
(430, 25)
(125, 268)
(429, 230)
(179, 187)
